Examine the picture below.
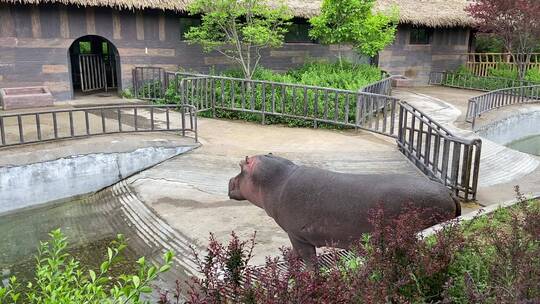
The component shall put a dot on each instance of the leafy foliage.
(499, 78)
(486, 43)
(239, 29)
(515, 22)
(353, 22)
(60, 278)
(349, 76)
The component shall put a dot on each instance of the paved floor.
(190, 192)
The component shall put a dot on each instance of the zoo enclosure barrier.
(474, 82)
(382, 87)
(452, 160)
(501, 98)
(42, 126)
(480, 63)
(319, 105)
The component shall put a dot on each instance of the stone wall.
(446, 51)
(34, 43)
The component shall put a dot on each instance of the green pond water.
(90, 225)
(530, 144)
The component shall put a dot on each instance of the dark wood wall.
(34, 43)
(446, 51)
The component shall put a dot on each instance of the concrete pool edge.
(37, 183)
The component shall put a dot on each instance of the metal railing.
(42, 126)
(319, 105)
(452, 160)
(383, 86)
(473, 82)
(501, 98)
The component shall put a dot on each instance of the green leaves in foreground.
(60, 278)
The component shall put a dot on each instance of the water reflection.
(530, 144)
(519, 132)
(90, 224)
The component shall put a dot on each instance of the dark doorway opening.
(95, 65)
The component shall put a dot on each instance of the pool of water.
(90, 224)
(519, 132)
(529, 144)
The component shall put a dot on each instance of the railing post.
(263, 101)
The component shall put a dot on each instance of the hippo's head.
(258, 175)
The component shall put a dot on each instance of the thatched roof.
(440, 13)
(434, 13)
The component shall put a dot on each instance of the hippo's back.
(321, 202)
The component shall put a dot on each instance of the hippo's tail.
(458, 205)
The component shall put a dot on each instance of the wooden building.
(88, 45)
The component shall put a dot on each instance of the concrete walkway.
(190, 191)
(501, 168)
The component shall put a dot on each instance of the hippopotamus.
(319, 208)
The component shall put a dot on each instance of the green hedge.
(346, 76)
(499, 78)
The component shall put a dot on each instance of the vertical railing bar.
(136, 118)
(336, 110)
(21, 134)
(152, 118)
(167, 118)
(38, 127)
(2, 131)
(71, 127)
(103, 126)
(55, 125)
(119, 117)
(87, 122)
(273, 98)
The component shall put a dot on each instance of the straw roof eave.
(433, 13)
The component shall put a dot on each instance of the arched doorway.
(95, 65)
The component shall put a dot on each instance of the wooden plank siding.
(445, 52)
(481, 63)
(34, 43)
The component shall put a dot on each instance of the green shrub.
(488, 44)
(504, 71)
(347, 76)
(494, 258)
(127, 93)
(61, 279)
(533, 75)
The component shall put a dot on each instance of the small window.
(85, 47)
(186, 23)
(420, 35)
(298, 33)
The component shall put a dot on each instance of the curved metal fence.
(49, 125)
(501, 98)
(452, 160)
(383, 87)
(439, 154)
(474, 82)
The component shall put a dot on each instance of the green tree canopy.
(239, 29)
(353, 22)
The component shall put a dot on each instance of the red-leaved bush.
(493, 259)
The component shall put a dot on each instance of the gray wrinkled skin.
(319, 208)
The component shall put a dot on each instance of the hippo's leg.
(303, 249)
